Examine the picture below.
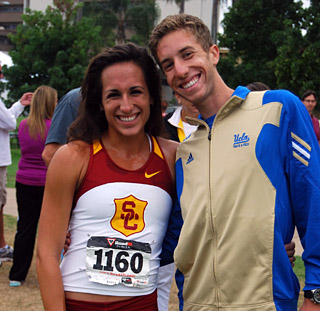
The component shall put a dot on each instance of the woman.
(115, 178)
(30, 179)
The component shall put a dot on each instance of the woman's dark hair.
(91, 122)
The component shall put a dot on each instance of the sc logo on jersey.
(128, 218)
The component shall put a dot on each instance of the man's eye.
(187, 54)
(167, 67)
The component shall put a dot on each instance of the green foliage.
(255, 31)
(102, 15)
(298, 58)
(123, 20)
(51, 48)
(142, 17)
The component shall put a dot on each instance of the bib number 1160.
(120, 260)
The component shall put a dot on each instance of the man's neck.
(215, 102)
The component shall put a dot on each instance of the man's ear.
(214, 54)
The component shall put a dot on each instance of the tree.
(299, 57)
(180, 4)
(142, 18)
(52, 49)
(124, 17)
(253, 31)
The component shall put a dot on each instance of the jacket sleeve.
(172, 235)
(303, 175)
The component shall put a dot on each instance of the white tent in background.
(5, 59)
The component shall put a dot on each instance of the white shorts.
(3, 182)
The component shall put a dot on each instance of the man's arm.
(17, 108)
(303, 171)
(7, 120)
(8, 116)
(48, 152)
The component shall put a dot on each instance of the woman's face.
(125, 99)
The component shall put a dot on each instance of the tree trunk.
(215, 20)
(181, 6)
(121, 35)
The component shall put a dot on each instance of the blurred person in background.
(7, 123)
(64, 114)
(30, 179)
(257, 86)
(175, 122)
(309, 99)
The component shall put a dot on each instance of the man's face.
(188, 68)
(310, 103)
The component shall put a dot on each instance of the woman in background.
(30, 179)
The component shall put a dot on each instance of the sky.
(306, 3)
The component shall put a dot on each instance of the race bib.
(114, 261)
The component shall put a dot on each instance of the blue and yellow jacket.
(243, 185)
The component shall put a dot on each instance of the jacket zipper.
(210, 215)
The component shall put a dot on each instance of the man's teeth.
(192, 82)
(127, 119)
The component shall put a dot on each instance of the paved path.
(11, 209)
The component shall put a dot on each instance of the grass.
(15, 155)
(299, 268)
(12, 169)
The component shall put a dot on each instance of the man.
(7, 123)
(245, 178)
(64, 114)
(309, 99)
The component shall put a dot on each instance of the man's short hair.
(177, 22)
(308, 93)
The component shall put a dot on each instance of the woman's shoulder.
(168, 145)
(71, 160)
(76, 152)
(23, 123)
(169, 148)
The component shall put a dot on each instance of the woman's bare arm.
(65, 173)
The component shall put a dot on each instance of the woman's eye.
(112, 95)
(136, 92)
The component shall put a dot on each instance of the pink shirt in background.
(31, 169)
(316, 127)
